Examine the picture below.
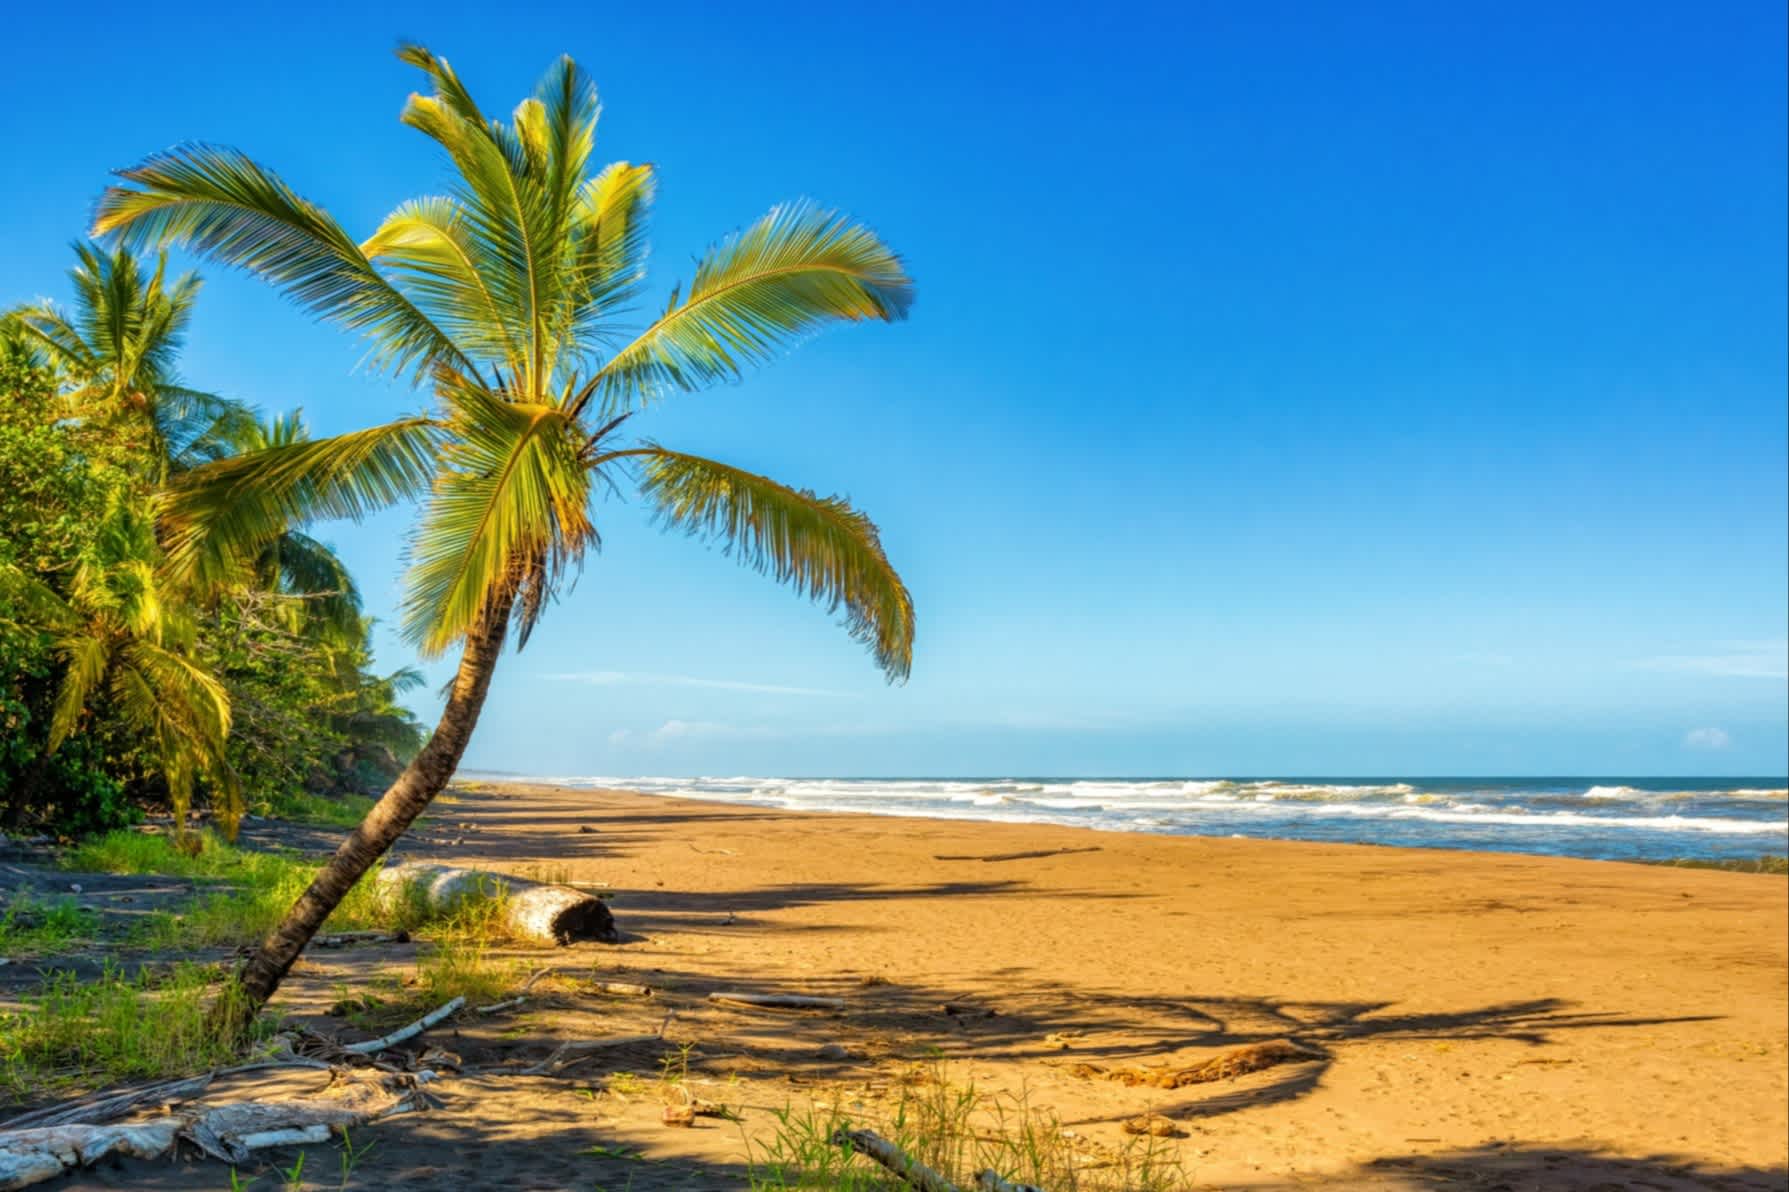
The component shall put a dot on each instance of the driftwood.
(989, 1181)
(494, 1007)
(108, 1106)
(374, 1046)
(1228, 1066)
(531, 911)
(567, 1054)
(1154, 1125)
(910, 1170)
(619, 989)
(228, 1132)
(776, 1001)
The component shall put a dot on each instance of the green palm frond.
(48, 330)
(427, 244)
(224, 206)
(821, 546)
(218, 513)
(85, 659)
(509, 512)
(786, 275)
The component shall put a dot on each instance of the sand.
(1483, 1019)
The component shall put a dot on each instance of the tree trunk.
(424, 778)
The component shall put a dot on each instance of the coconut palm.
(124, 638)
(115, 355)
(504, 301)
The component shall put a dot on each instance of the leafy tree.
(115, 355)
(501, 299)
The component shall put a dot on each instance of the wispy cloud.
(1739, 660)
(642, 678)
(672, 732)
(1707, 738)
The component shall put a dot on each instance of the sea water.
(1610, 817)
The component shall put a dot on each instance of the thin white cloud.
(1707, 738)
(1739, 660)
(641, 678)
(674, 731)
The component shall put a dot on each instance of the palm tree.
(115, 357)
(124, 637)
(503, 300)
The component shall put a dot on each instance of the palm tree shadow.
(1519, 1166)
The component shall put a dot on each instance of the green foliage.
(124, 677)
(31, 927)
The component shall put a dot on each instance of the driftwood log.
(531, 911)
(375, 1046)
(228, 1132)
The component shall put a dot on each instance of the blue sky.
(1292, 389)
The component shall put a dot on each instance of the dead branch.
(776, 1001)
(1228, 1066)
(374, 1046)
(989, 1181)
(910, 1170)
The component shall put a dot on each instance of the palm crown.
(501, 297)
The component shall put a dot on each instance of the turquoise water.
(1609, 817)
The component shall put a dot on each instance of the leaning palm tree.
(503, 300)
(115, 356)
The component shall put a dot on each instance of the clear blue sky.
(1352, 388)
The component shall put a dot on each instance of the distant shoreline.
(1713, 823)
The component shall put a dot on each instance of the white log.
(495, 1007)
(911, 1170)
(531, 911)
(776, 1001)
(294, 1137)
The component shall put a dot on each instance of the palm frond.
(791, 272)
(223, 205)
(821, 546)
(222, 511)
(508, 512)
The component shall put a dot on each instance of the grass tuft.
(32, 928)
(958, 1131)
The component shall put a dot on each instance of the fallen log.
(374, 1046)
(530, 910)
(989, 1181)
(776, 1001)
(910, 1170)
(227, 1132)
(107, 1106)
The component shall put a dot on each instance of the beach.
(1475, 1019)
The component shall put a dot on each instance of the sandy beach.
(1479, 1019)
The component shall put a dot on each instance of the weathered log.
(910, 1170)
(227, 1132)
(374, 1046)
(109, 1105)
(776, 1001)
(531, 911)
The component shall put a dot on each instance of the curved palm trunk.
(407, 798)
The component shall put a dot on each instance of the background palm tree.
(499, 299)
(123, 637)
(115, 357)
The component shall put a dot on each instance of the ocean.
(1610, 818)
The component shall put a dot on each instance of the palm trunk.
(424, 778)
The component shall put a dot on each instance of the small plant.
(959, 1131)
(35, 928)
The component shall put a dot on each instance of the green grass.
(958, 1131)
(29, 927)
(335, 811)
(76, 1033)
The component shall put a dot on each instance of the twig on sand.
(776, 1001)
(374, 1046)
(910, 1170)
(567, 1054)
(495, 1007)
(1237, 1062)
